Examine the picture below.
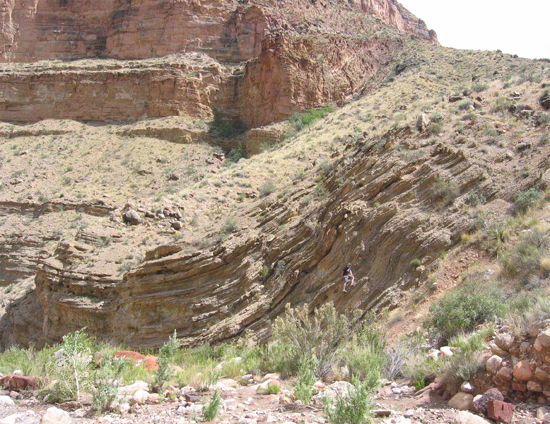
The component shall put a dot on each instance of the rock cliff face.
(291, 47)
(227, 30)
(383, 209)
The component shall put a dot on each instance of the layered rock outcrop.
(379, 213)
(302, 55)
(34, 30)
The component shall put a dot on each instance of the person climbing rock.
(349, 279)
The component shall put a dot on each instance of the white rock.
(462, 401)
(467, 387)
(123, 408)
(446, 351)
(140, 397)
(17, 372)
(465, 417)
(56, 416)
(493, 364)
(15, 419)
(397, 420)
(133, 388)
(6, 401)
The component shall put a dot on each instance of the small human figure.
(349, 279)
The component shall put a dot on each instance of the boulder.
(18, 382)
(467, 387)
(493, 364)
(522, 371)
(462, 401)
(544, 100)
(505, 374)
(56, 416)
(131, 217)
(480, 402)
(334, 391)
(6, 401)
(465, 417)
(131, 389)
(534, 386)
(543, 339)
(504, 341)
(422, 122)
(500, 411)
(150, 362)
(447, 351)
(140, 397)
(497, 350)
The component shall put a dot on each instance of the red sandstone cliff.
(33, 30)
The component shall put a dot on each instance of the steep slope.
(371, 184)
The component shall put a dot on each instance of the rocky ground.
(396, 403)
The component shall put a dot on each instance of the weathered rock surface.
(299, 54)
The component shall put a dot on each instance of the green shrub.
(479, 87)
(419, 368)
(105, 378)
(435, 128)
(524, 259)
(301, 120)
(356, 408)
(464, 308)
(267, 189)
(230, 225)
(166, 355)
(444, 191)
(306, 378)
(211, 410)
(525, 200)
(319, 335)
(273, 389)
(436, 117)
(501, 104)
(226, 128)
(465, 104)
(364, 355)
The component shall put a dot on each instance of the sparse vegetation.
(355, 408)
(212, 408)
(525, 200)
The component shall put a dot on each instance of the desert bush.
(465, 104)
(301, 120)
(464, 308)
(318, 335)
(267, 189)
(444, 191)
(397, 357)
(435, 128)
(230, 225)
(527, 308)
(166, 355)
(419, 368)
(523, 260)
(211, 410)
(501, 104)
(479, 87)
(306, 378)
(436, 117)
(226, 128)
(525, 200)
(106, 383)
(355, 408)
(364, 355)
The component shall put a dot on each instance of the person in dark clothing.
(349, 279)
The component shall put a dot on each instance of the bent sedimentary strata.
(378, 213)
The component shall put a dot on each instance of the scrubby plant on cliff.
(525, 200)
(365, 356)
(444, 191)
(165, 357)
(211, 410)
(227, 128)
(464, 308)
(526, 258)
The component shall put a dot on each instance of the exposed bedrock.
(379, 215)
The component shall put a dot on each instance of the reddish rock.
(522, 371)
(500, 411)
(518, 386)
(505, 374)
(150, 362)
(481, 402)
(534, 386)
(18, 382)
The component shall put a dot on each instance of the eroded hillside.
(384, 183)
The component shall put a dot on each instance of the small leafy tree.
(106, 383)
(166, 355)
